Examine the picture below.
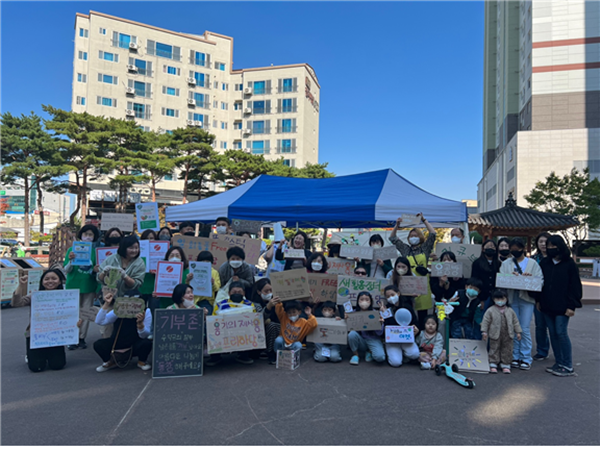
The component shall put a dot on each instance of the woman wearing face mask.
(183, 298)
(176, 254)
(237, 269)
(299, 242)
(317, 263)
(112, 238)
(522, 302)
(377, 268)
(503, 249)
(147, 287)
(394, 301)
(83, 278)
(262, 297)
(485, 269)
(542, 342)
(131, 267)
(369, 342)
(165, 234)
(39, 358)
(444, 287)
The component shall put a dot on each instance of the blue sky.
(401, 82)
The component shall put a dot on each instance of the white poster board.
(123, 222)
(465, 254)
(168, 275)
(469, 355)
(9, 282)
(147, 216)
(104, 252)
(399, 334)
(449, 269)
(356, 251)
(523, 282)
(235, 332)
(33, 280)
(201, 281)
(384, 253)
(54, 317)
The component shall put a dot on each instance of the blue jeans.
(280, 345)
(524, 311)
(559, 338)
(542, 343)
(457, 326)
(334, 351)
(359, 344)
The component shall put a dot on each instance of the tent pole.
(297, 229)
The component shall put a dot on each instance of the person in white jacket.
(522, 302)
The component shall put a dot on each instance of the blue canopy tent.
(365, 200)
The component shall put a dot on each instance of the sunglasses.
(360, 273)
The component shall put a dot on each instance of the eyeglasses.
(360, 273)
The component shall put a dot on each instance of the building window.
(82, 55)
(198, 117)
(164, 50)
(224, 106)
(170, 112)
(168, 177)
(220, 66)
(214, 124)
(237, 125)
(223, 125)
(124, 40)
(286, 105)
(83, 33)
(259, 87)
(82, 77)
(107, 56)
(289, 162)
(223, 145)
(81, 101)
(201, 79)
(237, 145)
(140, 89)
(239, 87)
(258, 107)
(286, 146)
(215, 104)
(108, 79)
(171, 91)
(105, 101)
(216, 85)
(154, 48)
(139, 110)
(142, 67)
(199, 99)
(172, 70)
(258, 147)
(237, 106)
(200, 59)
(286, 125)
(258, 127)
(288, 85)
(225, 86)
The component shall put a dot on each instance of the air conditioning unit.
(247, 110)
(133, 46)
(191, 81)
(129, 112)
(191, 102)
(189, 123)
(247, 131)
(247, 91)
(130, 90)
(197, 123)
(131, 68)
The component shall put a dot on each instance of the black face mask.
(490, 251)
(236, 298)
(517, 253)
(189, 233)
(552, 252)
(164, 237)
(504, 253)
(114, 241)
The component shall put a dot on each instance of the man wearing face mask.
(236, 269)
(222, 226)
(457, 236)
(187, 229)
(462, 318)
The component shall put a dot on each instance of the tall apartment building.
(541, 95)
(165, 80)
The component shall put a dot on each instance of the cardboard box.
(288, 359)
(329, 331)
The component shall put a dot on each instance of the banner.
(356, 251)
(54, 317)
(104, 252)
(178, 343)
(384, 253)
(290, 284)
(33, 280)
(323, 287)
(168, 275)
(363, 321)
(339, 266)
(399, 334)
(128, 307)
(349, 287)
(123, 222)
(329, 331)
(202, 280)
(413, 285)
(9, 282)
(465, 254)
(235, 333)
(147, 217)
(523, 282)
(251, 226)
(83, 253)
(449, 269)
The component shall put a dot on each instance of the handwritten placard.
(250, 246)
(178, 343)
(363, 321)
(449, 269)
(525, 283)
(123, 222)
(128, 307)
(54, 317)
(469, 355)
(465, 254)
(83, 253)
(385, 253)
(251, 226)
(349, 287)
(293, 253)
(104, 252)
(9, 282)
(356, 251)
(290, 284)
(339, 266)
(168, 275)
(329, 331)
(218, 246)
(89, 314)
(156, 252)
(235, 332)
(288, 359)
(399, 334)
(410, 219)
(33, 280)
(147, 216)
(413, 285)
(323, 287)
(385, 313)
(201, 282)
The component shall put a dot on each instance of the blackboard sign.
(178, 343)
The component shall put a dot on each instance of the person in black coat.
(300, 241)
(560, 296)
(444, 288)
(463, 316)
(485, 269)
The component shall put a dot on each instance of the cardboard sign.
(168, 275)
(288, 359)
(525, 283)
(33, 280)
(290, 284)
(339, 266)
(218, 247)
(128, 307)
(349, 287)
(363, 321)
(147, 217)
(54, 317)
(250, 246)
(450, 269)
(123, 222)
(384, 253)
(323, 287)
(293, 253)
(178, 343)
(89, 314)
(410, 219)
(251, 226)
(9, 282)
(235, 333)
(469, 355)
(399, 334)
(356, 251)
(201, 282)
(329, 331)
(83, 253)
(413, 285)
(104, 252)
(465, 254)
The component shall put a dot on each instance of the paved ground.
(318, 404)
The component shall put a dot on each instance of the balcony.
(261, 130)
(289, 129)
(287, 109)
(261, 91)
(287, 89)
(285, 150)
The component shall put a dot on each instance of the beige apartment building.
(165, 80)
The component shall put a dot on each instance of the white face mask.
(235, 264)
(401, 271)
(364, 305)
(175, 259)
(87, 239)
(188, 303)
(221, 230)
(376, 245)
(267, 297)
(327, 314)
(294, 318)
(456, 240)
(414, 240)
(316, 266)
(500, 303)
(393, 299)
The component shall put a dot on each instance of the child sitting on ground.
(293, 328)
(463, 316)
(327, 352)
(500, 323)
(431, 345)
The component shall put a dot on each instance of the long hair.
(395, 275)
(59, 273)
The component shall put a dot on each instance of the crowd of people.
(481, 311)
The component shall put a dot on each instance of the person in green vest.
(83, 278)
(20, 250)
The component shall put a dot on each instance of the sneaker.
(144, 365)
(263, 355)
(368, 357)
(82, 345)
(515, 363)
(538, 357)
(213, 360)
(425, 366)
(106, 367)
(72, 347)
(563, 372)
(552, 369)
(354, 360)
(493, 370)
(243, 358)
(524, 366)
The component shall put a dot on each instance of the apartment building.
(165, 80)
(541, 95)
